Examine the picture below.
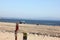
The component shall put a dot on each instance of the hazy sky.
(30, 9)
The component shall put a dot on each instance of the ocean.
(42, 22)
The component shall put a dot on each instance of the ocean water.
(42, 22)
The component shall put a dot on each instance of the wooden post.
(17, 27)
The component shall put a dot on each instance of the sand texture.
(35, 32)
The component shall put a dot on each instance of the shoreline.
(31, 24)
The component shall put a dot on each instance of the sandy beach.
(45, 32)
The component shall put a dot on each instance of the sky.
(30, 9)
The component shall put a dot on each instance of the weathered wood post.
(16, 29)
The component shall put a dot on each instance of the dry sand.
(45, 32)
(10, 36)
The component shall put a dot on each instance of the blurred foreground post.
(17, 27)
